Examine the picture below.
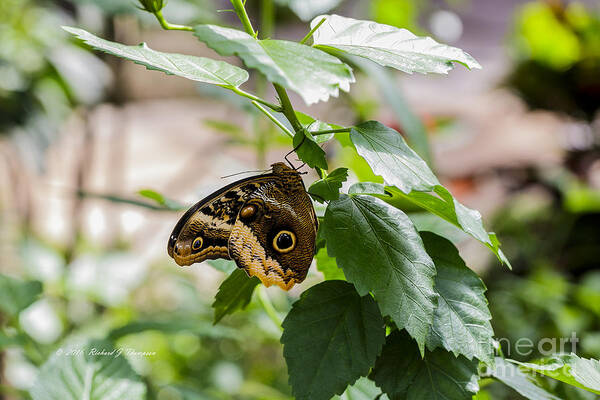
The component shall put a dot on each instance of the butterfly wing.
(275, 241)
(203, 231)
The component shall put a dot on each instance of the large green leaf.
(569, 368)
(329, 187)
(191, 67)
(413, 182)
(312, 73)
(387, 45)
(16, 295)
(389, 156)
(461, 323)
(441, 203)
(511, 376)
(331, 337)
(380, 251)
(93, 371)
(403, 374)
(234, 293)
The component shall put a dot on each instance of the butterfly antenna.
(293, 150)
(246, 172)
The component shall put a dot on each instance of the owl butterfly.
(265, 223)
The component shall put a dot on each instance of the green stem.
(263, 131)
(171, 27)
(287, 108)
(250, 96)
(312, 31)
(267, 18)
(273, 119)
(326, 131)
(240, 10)
(265, 302)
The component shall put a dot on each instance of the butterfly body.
(265, 223)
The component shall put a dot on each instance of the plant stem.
(312, 31)
(326, 131)
(240, 10)
(265, 302)
(267, 18)
(250, 96)
(263, 130)
(171, 27)
(272, 118)
(287, 108)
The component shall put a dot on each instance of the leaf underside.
(387, 45)
(312, 73)
(198, 69)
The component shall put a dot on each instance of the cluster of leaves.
(397, 305)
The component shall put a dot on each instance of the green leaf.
(403, 374)
(363, 389)
(85, 375)
(461, 323)
(425, 221)
(312, 73)
(387, 153)
(16, 295)
(331, 337)
(328, 266)
(380, 251)
(511, 376)
(198, 69)
(307, 9)
(312, 125)
(160, 199)
(387, 45)
(581, 372)
(234, 293)
(390, 157)
(329, 187)
(370, 188)
(309, 151)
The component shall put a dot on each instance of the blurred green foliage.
(558, 53)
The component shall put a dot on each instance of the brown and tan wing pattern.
(203, 231)
(265, 223)
(274, 236)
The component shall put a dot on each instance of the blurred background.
(96, 152)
